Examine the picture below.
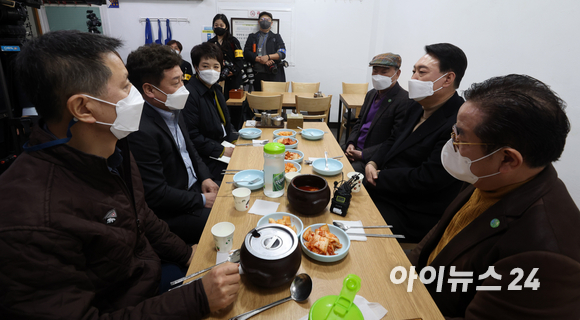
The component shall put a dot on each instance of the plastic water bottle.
(274, 169)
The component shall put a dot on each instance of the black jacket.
(274, 44)
(203, 120)
(229, 52)
(162, 168)
(538, 228)
(412, 176)
(390, 114)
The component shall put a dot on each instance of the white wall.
(333, 40)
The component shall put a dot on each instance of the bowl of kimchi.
(324, 242)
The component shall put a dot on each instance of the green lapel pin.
(494, 223)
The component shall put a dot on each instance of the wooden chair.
(265, 103)
(305, 87)
(272, 86)
(347, 88)
(317, 108)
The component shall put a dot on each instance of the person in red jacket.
(77, 240)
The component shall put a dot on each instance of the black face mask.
(265, 24)
(219, 31)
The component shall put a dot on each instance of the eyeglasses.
(456, 144)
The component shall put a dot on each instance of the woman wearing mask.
(206, 114)
(185, 66)
(232, 51)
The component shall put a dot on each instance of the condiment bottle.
(274, 169)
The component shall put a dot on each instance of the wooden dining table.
(288, 99)
(372, 260)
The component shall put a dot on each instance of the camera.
(273, 69)
(228, 67)
(93, 22)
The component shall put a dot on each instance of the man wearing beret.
(383, 109)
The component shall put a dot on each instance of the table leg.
(348, 123)
(339, 120)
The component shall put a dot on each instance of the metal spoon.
(300, 289)
(234, 257)
(326, 157)
(344, 227)
(309, 133)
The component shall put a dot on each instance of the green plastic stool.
(339, 307)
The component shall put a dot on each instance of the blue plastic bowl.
(299, 160)
(276, 135)
(312, 134)
(250, 133)
(292, 146)
(241, 179)
(334, 167)
(342, 238)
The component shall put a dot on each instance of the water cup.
(358, 184)
(242, 198)
(223, 236)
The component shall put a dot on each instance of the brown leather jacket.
(77, 243)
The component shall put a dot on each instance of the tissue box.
(236, 93)
(295, 121)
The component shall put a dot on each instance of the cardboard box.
(295, 121)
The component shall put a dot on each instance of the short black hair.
(170, 42)
(451, 58)
(206, 50)
(59, 64)
(222, 17)
(147, 64)
(265, 13)
(523, 113)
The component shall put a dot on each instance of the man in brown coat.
(510, 241)
(77, 240)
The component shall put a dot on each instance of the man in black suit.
(178, 185)
(382, 110)
(405, 177)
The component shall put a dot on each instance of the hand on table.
(371, 174)
(221, 285)
(228, 151)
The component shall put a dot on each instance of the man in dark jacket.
(206, 114)
(513, 233)
(382, 110)
(265, 50)
(178, 185)
(77, 240)
(405, 177)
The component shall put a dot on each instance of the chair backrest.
(317, 108)
(361, 88)
(272, 86)
(265, 103)
(305, 87)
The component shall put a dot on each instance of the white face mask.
(128, 113)
(176, 100)
(459, 166)
(419, 90)
(381, 82)
(209, 76)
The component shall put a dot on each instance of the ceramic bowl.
(308, 202)
(241, 179)
(250, 133)
(289, 176)
(299, 160)
(294, 220)
(276, 133)
(342, 238)
(312, 134)
(292, 146)
(334, 167)
(295, 164)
